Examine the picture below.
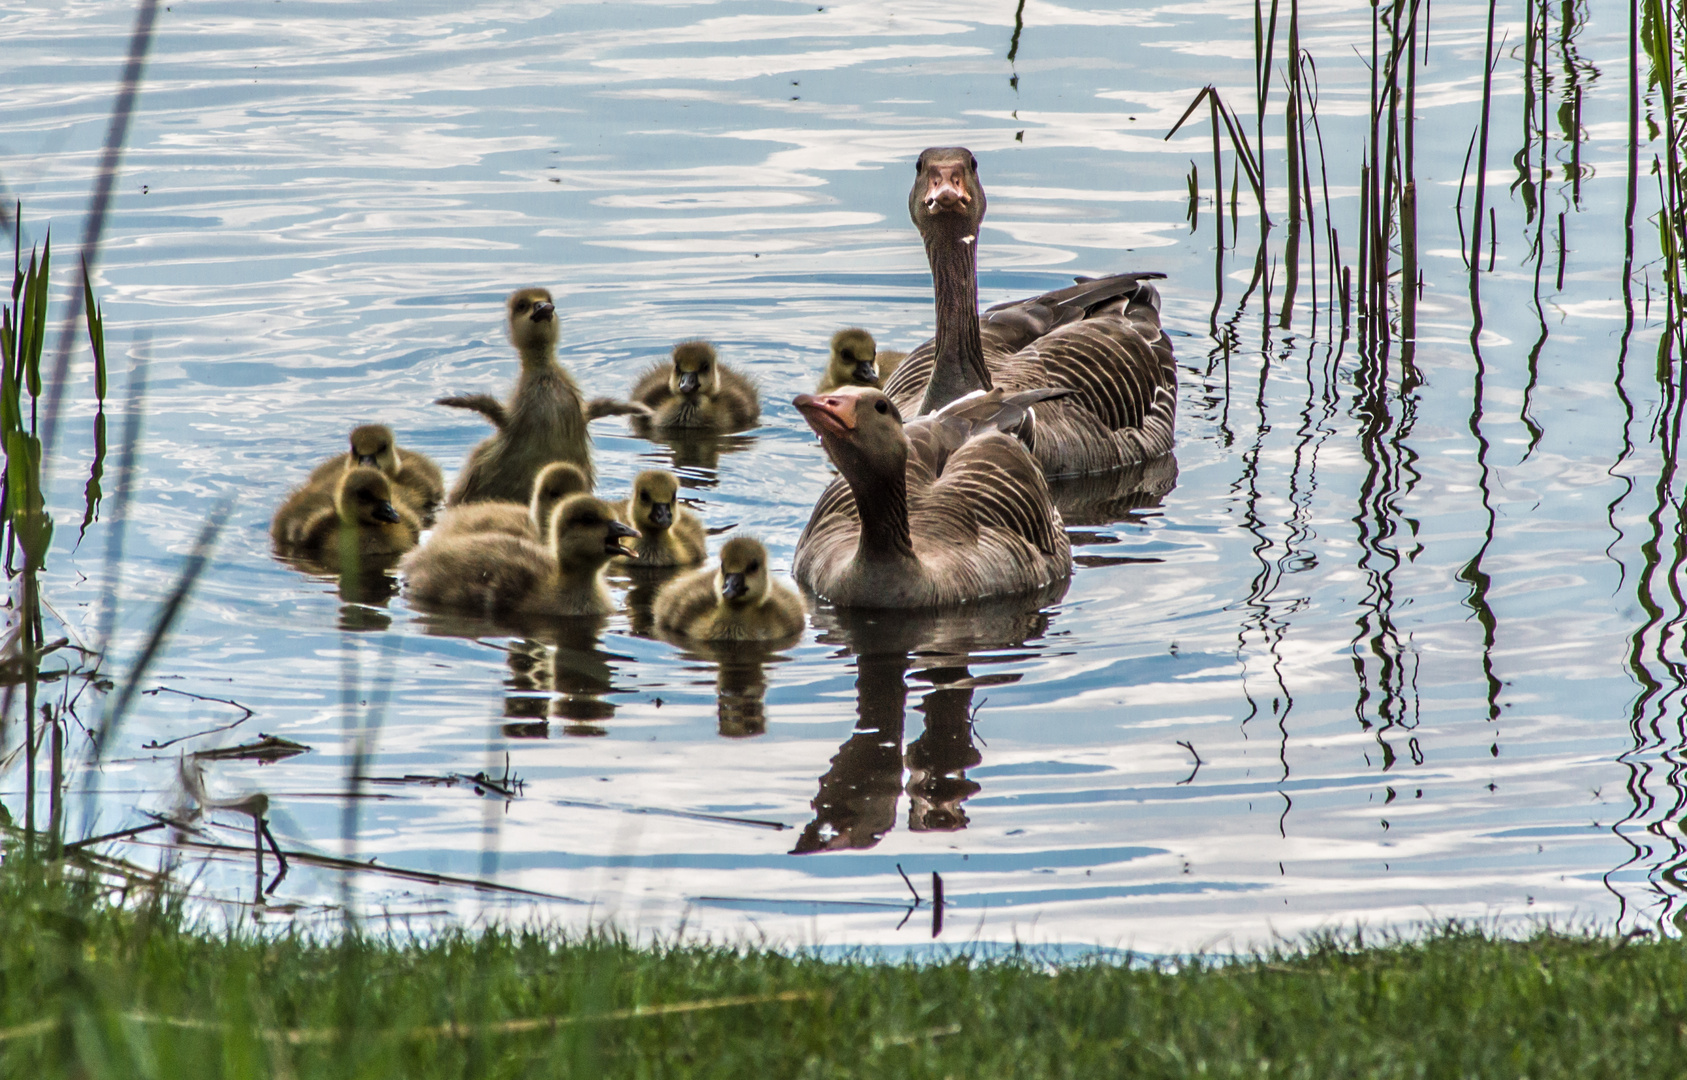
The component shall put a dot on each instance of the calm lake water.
(1424, 643)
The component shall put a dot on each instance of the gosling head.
(372, 445)
(586, 534)
(695, 369)
(554, 483)
(532, 320)
(742, 578)
(861, 430)
(854, 358)
(655, 501)
(364, 498)
(946, 194)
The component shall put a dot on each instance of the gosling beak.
(366, 459)
(688, 382)
(542, 312)
(945, 193)
(832, 414)
(618, 532)
(384, 511)
(866, 373)
(662, 515)
(732, 586)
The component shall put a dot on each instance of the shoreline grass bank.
(92, 988)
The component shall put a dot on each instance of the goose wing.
(990, 486)
(1007, 329)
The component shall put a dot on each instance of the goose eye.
(881, 406)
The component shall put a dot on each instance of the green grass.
(92, 988)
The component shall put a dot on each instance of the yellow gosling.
(359, 520)
(668, 533)
(696, 392)
(857, 360)
(555, 482)
(735, 601)
(498, 574)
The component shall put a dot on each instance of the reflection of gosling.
(668, 533)
(696, 392)
(736, 601)
(495, 573)
(360, 519)
(857, 360)
(416, 479)
(555, 482)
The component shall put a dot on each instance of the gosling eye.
(753, 567)
(881, 405)
(644, 496)
(974, 161)
(521, 305)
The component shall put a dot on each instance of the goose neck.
(958, 367)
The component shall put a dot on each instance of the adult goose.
(544, 419)
(1100, 338)
(948, 509)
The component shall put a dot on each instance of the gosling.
(496, 574)
(360, 520)
(736, 601)
(857, 360)
(544, 419)
(418, 481)
(696, 393)
(555, 482)
(668, 533)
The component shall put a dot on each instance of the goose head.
(532, 320)
(695, 369)
(654, 501)
(947, 198)
(556, 482)
(854, 356)
(861, 430)
(372, 445)
(364, 498)
(585, 533)
(742, 578)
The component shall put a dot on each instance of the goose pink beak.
(946, 191)
(828, 414)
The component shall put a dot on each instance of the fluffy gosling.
(668, 533)
(695, 392)
(555, 482)
(497, 574)
(359, 520)
(735, 601)
(857, 360)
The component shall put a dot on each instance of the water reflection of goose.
(695, 455)
(1101, 338)
(856, 802)
(568, 663)
(857, 360)
(740, 674)
(948, 509)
